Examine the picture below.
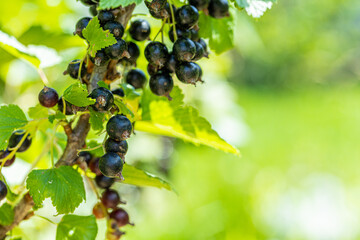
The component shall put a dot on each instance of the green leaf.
(97, 37)
(77, 94)
(98, 152)
(107, 4)
(254, 8)
(103, 84)
(123, 108)
(6, 214)
(11, 118)
(138, 177)
(58, 115)
(38, 112)
(171, 118)
(73, 227)
(129, 91)
(96, 120)
(63, 185)
(37, 55)
(219, 32)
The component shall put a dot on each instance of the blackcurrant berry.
(194, 35)
(101, 58)
(200, 74)
(119, 127)
(104, 181)
(203, 44)
(85, 157)
(152, 69)
(81, 25)
(181, 33)
(160, 13)
(161, 84)
(199, 4)
(73, 69)
(140, 30)
(105, 16)
(156, 53)
(218, 8)
(115, 28)
(136, 78)
(120, 216)
(111, 165)
(104, 99)
(156, 4)
(184, 49)
(16, 138)
(3, 190)
(89, 2)
(134, 53)
(98, 211)
(118, 50)
(48, 97)
(93, 10)
(116, 146)
(94, 166)
(171, 63)
(186, 16)
(4, 154)
(110, 198)
(187, 72)
(199, 52)
(119, 92)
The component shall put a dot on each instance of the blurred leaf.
(63, 185)
(73, 227)
(96, 120)
(77, 94)
(11, 118)
(219, 32)
(171, 118)
(103, 84)
(98, 152)
(37, 55)
(123, 108)
(254, 8)
(129, 91)
(138, 177)
(58, 115)
(97, 37)
(107, 4)
(38, 112)
(6, 214)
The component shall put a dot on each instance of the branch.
(76, 138)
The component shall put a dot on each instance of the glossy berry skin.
(152, 69)
(218, 8)
(101, 58)
(105, 16)
(81, 25)
(186, 16)
(111, 165)
(160, 13)
(93, 11)
(110, 198)
(187, 72)
(16, 138)
(120, 216)
(73, 69)
(115, 28)
(181, 33)
(194, 35)
(4, 154)
(104, 181)
(118, 50)
(104, 99)
(156, 53)
(161, 84)
(134, 52)
(140, 30)
(116, 146)
(3, 190)
(119, 127)
(89, 2)
(200, 52)
(85, 156)
(119, 92)
(199, 4)
(48, 97)
(184, 49)
(94, 166)
(136, 78)
(203, 44)
(98, 211)
(171, 64)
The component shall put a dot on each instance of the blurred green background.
(287, 95)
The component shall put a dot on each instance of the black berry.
(4, 154)
(181, 33)
(156, 53)
(119, 127)
(104, 99)
(119, 92)
(98, 211)
(73, 69)
(203, 44)
(134, 52)
(187, 72)
(104, 181)
(160, 13)
(140, 30)
(218, 8)
(85, 157)
(118, 50)
(111, 165)
(93, 10)
(89, 2)
(105, 16)
(16, 138)
(116, 146)
(94, 166)
(101, 58)
(115, 28)
(3, 190)
(200, 52)
(110, 198)
(194, 35)
(161, 84)
(186, 16)
(81, 25)
(171, 63)
(199, 4)
(184, 49)
(48, 97)
(120, 216)
(152, 69)
(136, 78)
